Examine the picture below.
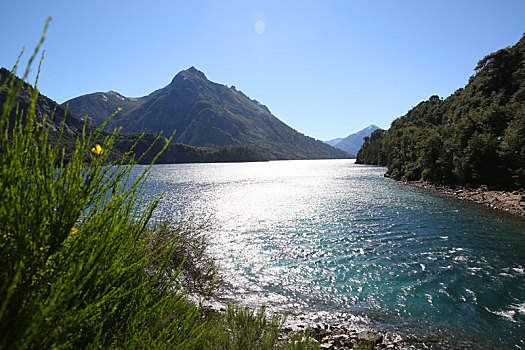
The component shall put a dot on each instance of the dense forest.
(475, 136)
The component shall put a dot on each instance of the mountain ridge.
(206, 114)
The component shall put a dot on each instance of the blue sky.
(326, 68)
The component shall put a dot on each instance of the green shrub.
(242, 328)
(197, 270)
(77, 271)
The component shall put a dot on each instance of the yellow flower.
(97, 149)
(73, 231)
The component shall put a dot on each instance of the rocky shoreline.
(331, 331)
(338, 338)
(340, 331)
(512, 202)
(342, 337)
(341, 334)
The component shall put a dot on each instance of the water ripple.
(331, 236)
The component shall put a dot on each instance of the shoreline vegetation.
(469, 146)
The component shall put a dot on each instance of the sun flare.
(259, 22)
(260, 27)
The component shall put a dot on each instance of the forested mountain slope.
(475, 136)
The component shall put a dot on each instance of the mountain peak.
(210, 114)
(352, 143)
(190, 73)
(194, 71)
(116, 94)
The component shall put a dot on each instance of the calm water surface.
(332, 236)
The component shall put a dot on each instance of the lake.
(330, 236)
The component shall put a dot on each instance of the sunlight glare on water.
(329, 235)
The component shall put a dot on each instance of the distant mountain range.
(352, 143)
(203, 113)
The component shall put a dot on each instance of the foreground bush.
(74, 247)
(196, 271)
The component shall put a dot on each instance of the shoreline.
(510, 202)
(345, 331)
(335, 333)
(341, 332)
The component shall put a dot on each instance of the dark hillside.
(475, 136)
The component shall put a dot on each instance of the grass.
(82, 265)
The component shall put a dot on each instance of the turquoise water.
(332, 236)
